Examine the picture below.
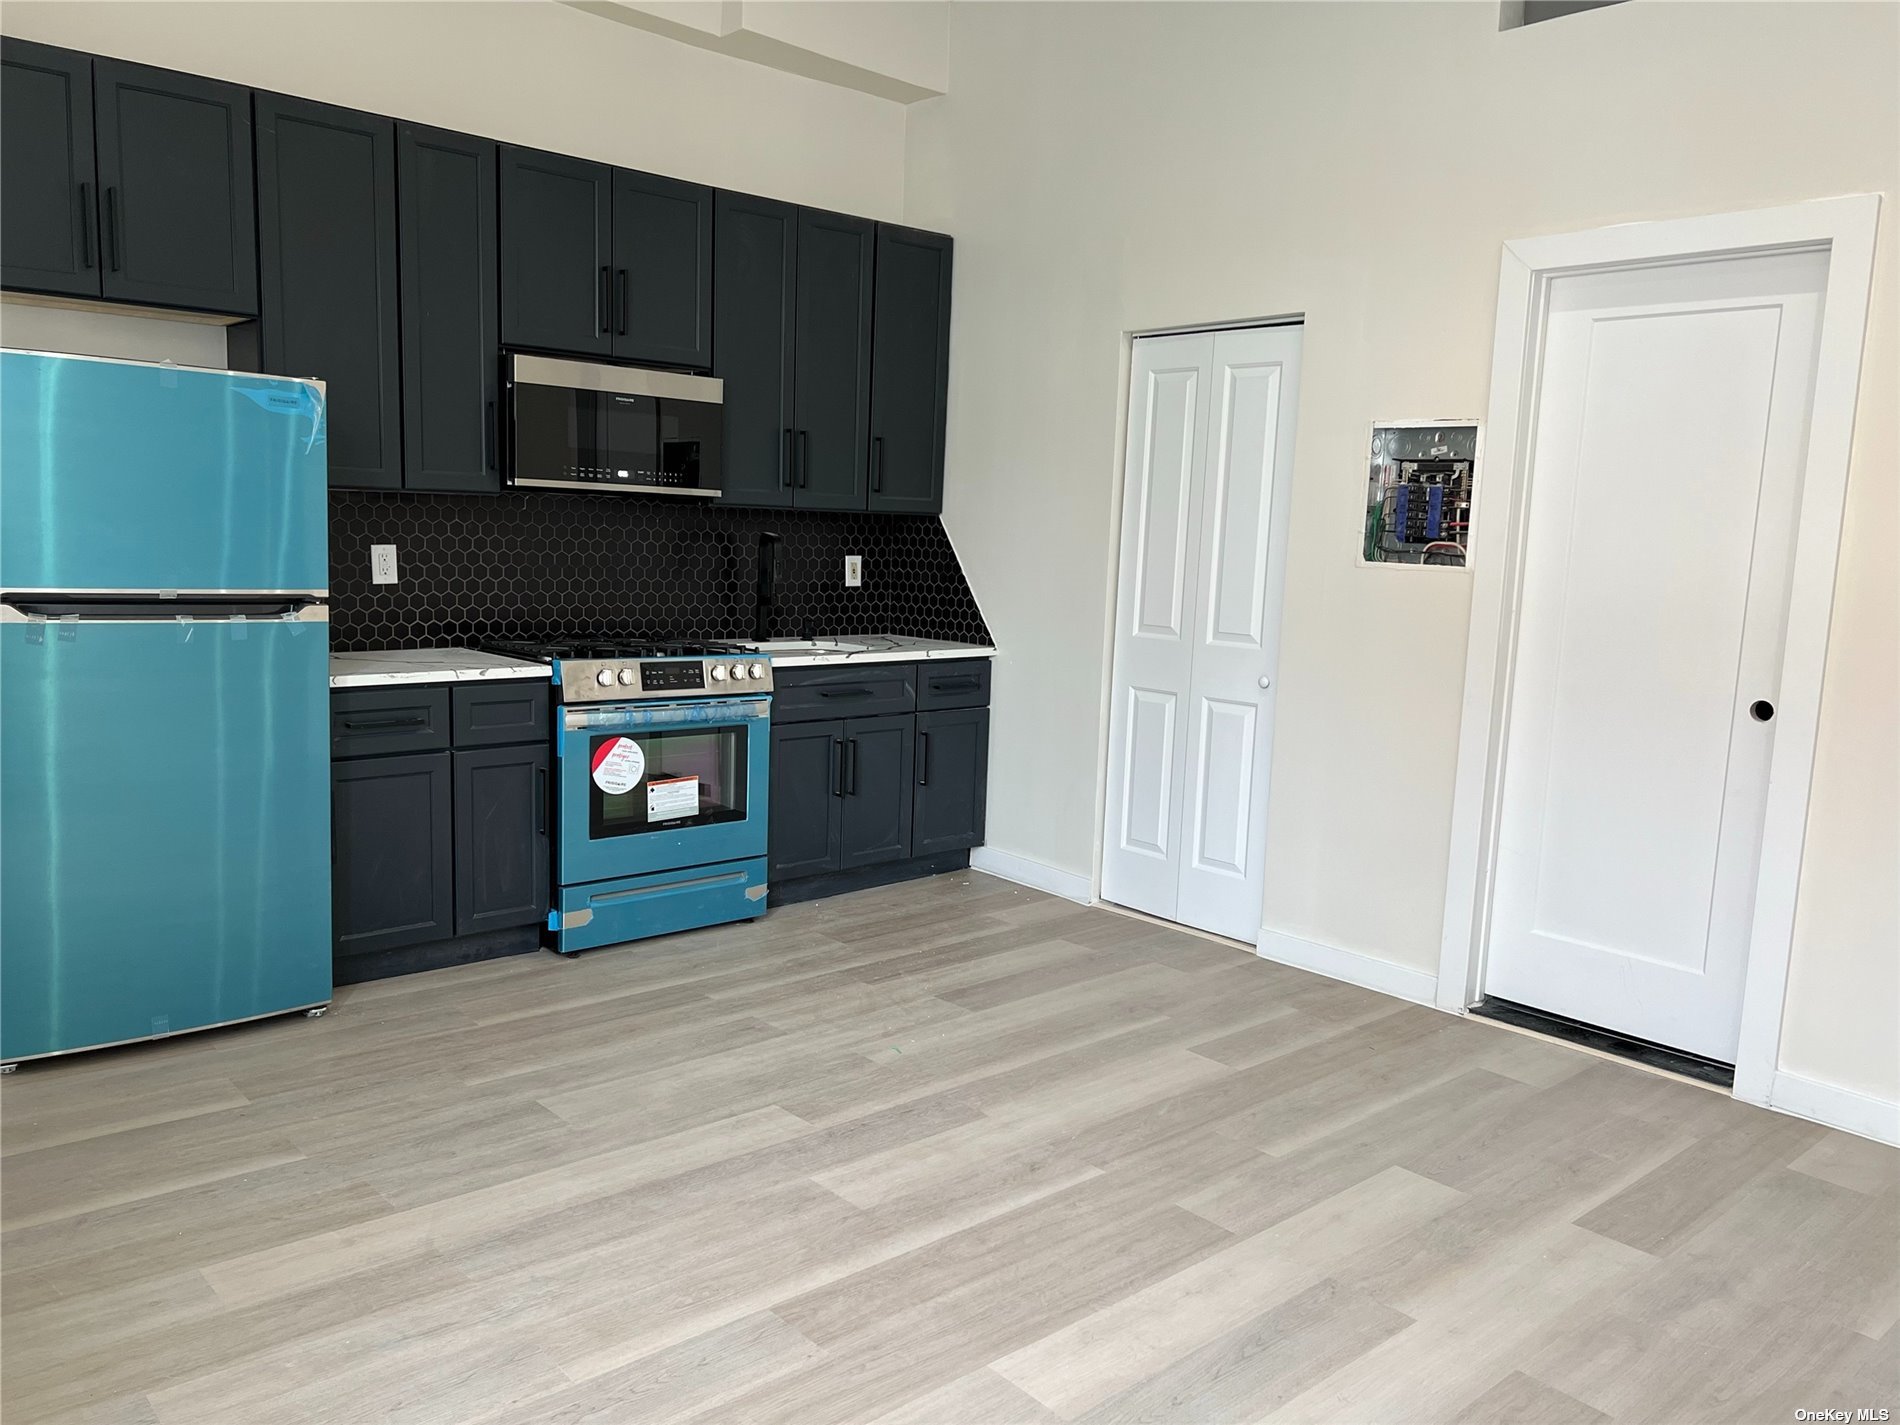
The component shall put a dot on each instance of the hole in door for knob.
(1761, 710)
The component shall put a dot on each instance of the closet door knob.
(1266, 682)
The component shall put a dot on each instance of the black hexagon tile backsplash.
(526, 565)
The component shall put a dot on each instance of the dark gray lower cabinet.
(392, 851)
(501, 837)
(806, 760)
(870, 786)
(953, 763)
(874, 812)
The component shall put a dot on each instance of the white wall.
(528, 72)
(1113, 168)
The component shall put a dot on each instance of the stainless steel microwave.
(581, 425)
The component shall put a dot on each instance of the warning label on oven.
(619, 764)
(671, 797)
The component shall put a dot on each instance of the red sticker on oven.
(619, 764)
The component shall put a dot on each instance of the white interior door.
(1210, 439)
(1665, 478)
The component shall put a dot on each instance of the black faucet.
(768, 572)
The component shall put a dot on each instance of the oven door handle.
(708, 713)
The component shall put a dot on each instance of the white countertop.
(392, 666)
(875, 648)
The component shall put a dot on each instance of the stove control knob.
(627, 676)
(738, 670)
(605, 677)
(719, 672)
(758, 670)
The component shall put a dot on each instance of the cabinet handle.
(923, 759)
(112, 226)
(844, 692)
(877, 463)
(488, 437)
(965, 684)
(88, 220)
(785, 473)
(837, 767)
(602, 298)
(620, 297)
(851, 786)
(383, 724)
(804, 458)
(541, 801)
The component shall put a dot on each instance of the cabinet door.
(663, 281)
(451, 341)
(755, 248)
(556, 252)
(178, 221)
(326, 242)
(910, 370)
(49, 195)
(392, 858)
(806, 766)
(953, 764)
(501, 837)
(875, 808)
(833, 360)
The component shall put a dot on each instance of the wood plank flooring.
(945, 1153)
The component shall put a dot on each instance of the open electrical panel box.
(1419, 492)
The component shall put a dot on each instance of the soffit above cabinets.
(894, 49)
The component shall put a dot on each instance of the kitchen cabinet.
(49, 190)
(875, 806)
(439, 822)
(952, 775)
(663, 271)
(326, 246)
(876, 768)
(755, 253)
(451, 319)
(832, 360)
(392, 851)
(501, 836)
(178, 222)
(556, 252)
(805, 820)
(910, 370)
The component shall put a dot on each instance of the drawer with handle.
(812, 694)
(954, 683)
(369, 722)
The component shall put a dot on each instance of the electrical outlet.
(853, 570)
(382, 564)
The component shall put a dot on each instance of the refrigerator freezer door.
(164, 793)
(121, 475)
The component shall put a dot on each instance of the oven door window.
(666, 780)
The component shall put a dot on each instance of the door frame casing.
(1845, 228)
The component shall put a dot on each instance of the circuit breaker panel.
(1419, 493)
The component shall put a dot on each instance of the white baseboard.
(1870, 1117)
(1352, 966)
(1035, 875)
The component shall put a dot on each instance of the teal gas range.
(662, 774)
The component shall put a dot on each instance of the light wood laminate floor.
(945, 1153)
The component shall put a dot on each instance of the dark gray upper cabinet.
(910, 370)
(662, 280)
(451, 340)
(49, 194)
(326, 241)
(501, 837)
(556, 252)
(952, 778)
(832, 361)
(755, 257)
(874, 816)
(177, 219)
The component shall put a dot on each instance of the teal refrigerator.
(164, 658)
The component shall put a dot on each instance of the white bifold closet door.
(1197, 624)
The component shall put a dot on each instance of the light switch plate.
(853, 570)
(382, 564)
